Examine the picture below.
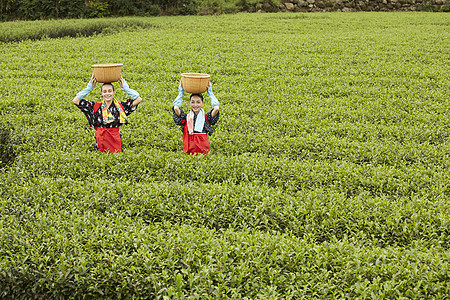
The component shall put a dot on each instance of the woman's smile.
(108, 92)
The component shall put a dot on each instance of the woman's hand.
(214, 101)
(121, 80)
(132, 93)
(179, 99)
(93, 80)
(83, 93)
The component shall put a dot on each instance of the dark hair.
(200, 95)
(106, 84)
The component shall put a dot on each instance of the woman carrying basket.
(196, 125)
(107, 116)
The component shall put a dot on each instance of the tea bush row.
(8, 144)
(284, 173)
(131, 259)
(35, 30)
(319, 214)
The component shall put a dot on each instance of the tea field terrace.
(328, 175)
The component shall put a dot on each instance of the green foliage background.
(328, 175)
(51, 9)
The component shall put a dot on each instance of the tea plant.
(7, 145)
(34, 30)
(328, 175)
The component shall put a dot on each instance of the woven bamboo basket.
(195, 83)
(107, 72)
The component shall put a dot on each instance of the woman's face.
(196, 103)
(108, 92)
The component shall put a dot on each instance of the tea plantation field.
(328, 175)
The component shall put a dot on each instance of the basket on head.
(107, 72)
(195, 83)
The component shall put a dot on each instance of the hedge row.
(379, 205)
(80, 254)
(49, 9)
(34, 30)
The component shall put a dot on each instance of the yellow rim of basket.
(107, 65)
(195, 75)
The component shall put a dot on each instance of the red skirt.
(195, 143)
(108, 139)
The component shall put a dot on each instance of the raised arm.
(132, 93)
(83, 93)
(214, 101)
(215, 111)
(178, 100)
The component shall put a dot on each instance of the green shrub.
(188, 7)
(98, 9)
(19, 31)
(445, 8)
(47, 9)
(428, 7)
(8, 151)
